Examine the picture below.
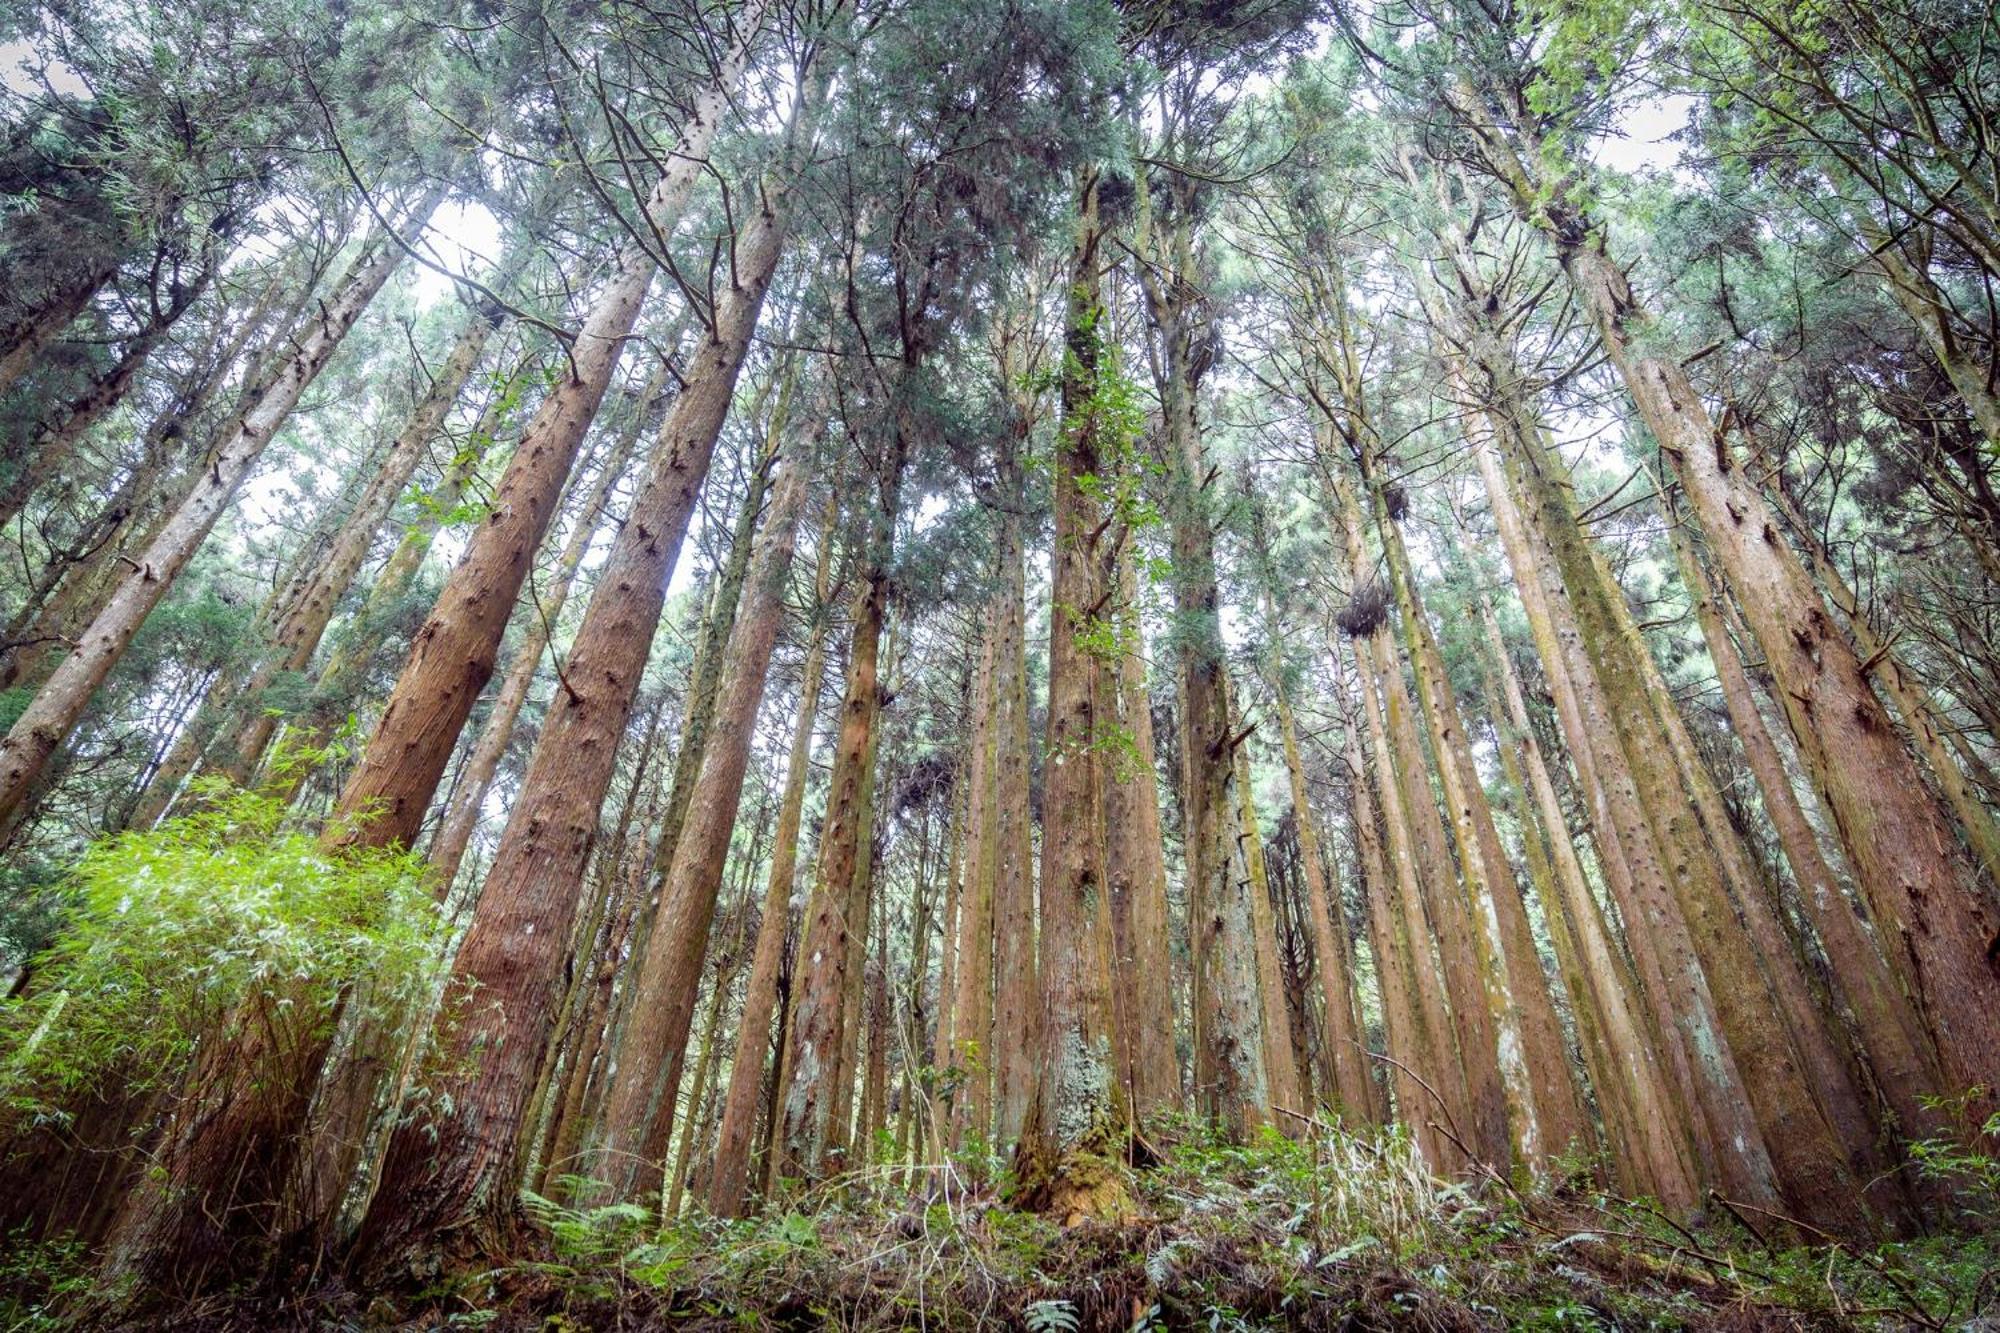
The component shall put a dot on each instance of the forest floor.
(1342, 1234)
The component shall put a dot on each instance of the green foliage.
(169, 933)
(37, 1278)
(1965, 1162)
(1050, 1316)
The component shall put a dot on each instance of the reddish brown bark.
(812, 1065)
(450, 1177)
(730, 1177)
(1066, 1161)
(1545, 1113)
(452, 658)
(1136, 870)
(1919, 890)
(639, 1111)
(60, 703)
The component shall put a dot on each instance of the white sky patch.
(464, 238)
(1643, 140)
(23, 68)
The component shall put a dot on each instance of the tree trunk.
(453, 655)
(1890, 1031)
(1805, 1161)
(1281, 1064)
(972, 1046)
(729, 1177)
(544, 613)
(1482, 1118)
(451, 1177)
(1135, 860)
(812, 1065)
(640, 1109)
(1546, 1114)
(1640, 1110)
(1341, 1047)
(1424, 1069)
(938, 1126)
(1016, 1007)
(1919, 891)
(1233, 1080)
(60, 704)
(1067, 1163)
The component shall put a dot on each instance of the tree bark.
(972, 1044)
(450, 1177)
(1281, 1063)
(60, 704)
(1889, 1030)
(385, 800)
(544, 613)
(1482, 1118)
(1919, 891)
(1232, 1078)
(1640, 1110)
(1425, 1071)
(1135, 861)
(812, 1066)
(1341, 1047)
(1545, 1113)
(729, 1178)
(640, 1109)
(1016, 1007)
(1067, 1160)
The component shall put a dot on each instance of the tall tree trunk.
(812, 1068)
(1804, 1159)
(938, 1127)
(1135, 861)
(1482, 1118)
(1546, 1114)
(1890, 1031)
(630, 876)
(451, 1177)
(1682, 1015)
(729, 1177)
(1900, 841)
(544, 613)
(344, 1109)
(972, 1046)
(697, 1121)
(1424, 1071)
(639, 1112)
(845, 1076)
(1341, 1047)
(1282, 1071)
(1067, 1161)
(1641, 1113)
(1233, 1080)
(454, 652)
(60, 704)
(1016, 1008)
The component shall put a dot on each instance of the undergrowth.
(1330, 1231)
